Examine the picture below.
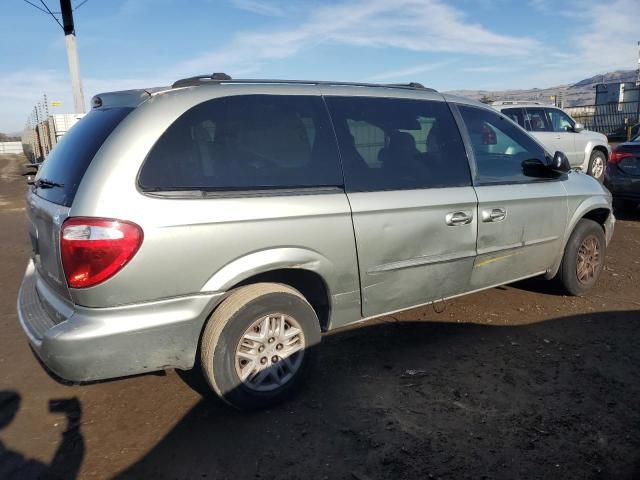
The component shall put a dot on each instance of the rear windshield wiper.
(44, 183)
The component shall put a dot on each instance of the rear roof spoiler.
(124, 98)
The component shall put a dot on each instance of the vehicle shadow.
(540, 285)
(68, 456)
(555, 399)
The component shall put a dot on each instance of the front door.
(413, 207)
(573, 143)
(542, 129)
(521, 219)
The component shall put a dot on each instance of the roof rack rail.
(219, 78)
(407, 85)
(516, 102)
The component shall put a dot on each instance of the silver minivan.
(225, 224)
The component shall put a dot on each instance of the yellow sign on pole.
(56, 103)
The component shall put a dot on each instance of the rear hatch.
(55, 187)
(628, 158)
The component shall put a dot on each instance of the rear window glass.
(70, 158)
(517, 115)
(398, 144)
(246, 142)
(538, 119)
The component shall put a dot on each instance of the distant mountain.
(579, 93)
(9, 137)
(617, 76)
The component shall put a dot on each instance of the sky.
(444, 44)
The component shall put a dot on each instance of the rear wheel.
(597, 163)
(258, 344)
(583, 258)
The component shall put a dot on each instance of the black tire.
(568, 273)
(226, 327)
(597, 165)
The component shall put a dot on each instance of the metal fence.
(613, 119)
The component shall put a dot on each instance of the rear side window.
(398, 144)
(70, 158)
(245, 143)
(538, 119)
(499, 147)
(518, 115)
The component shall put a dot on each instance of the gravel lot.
(514, 382)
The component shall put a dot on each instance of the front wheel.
(597, 163)
(258, 344)
(583, 258)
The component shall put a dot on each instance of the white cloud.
(415, 25)
(602, 38)
(404, 74)
(21, 91)
(488, 69)
(259, 7)
(607, 39)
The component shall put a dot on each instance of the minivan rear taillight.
(95, 249)
(617, 156)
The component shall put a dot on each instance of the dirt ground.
(515, 382)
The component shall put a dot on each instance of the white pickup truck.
(586, 150)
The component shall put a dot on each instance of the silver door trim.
(418, 261)
(527, 243)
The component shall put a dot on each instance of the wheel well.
(602, 150)
(598, 215)
(308, 283)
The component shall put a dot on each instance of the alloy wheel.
(588, 260)
(270, 352)
(597, 168)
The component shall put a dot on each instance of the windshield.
(62, 171)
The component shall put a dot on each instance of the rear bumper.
(84, 344)
(621, 185)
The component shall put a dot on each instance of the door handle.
(494, 215)
(454, 219)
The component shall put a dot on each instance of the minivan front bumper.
(84, 344)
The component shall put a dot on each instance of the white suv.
(586, 150)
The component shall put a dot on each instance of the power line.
(36, 6)
(79, 5)
(51, 13)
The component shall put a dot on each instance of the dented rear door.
(408, 183)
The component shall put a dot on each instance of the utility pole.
(72, 54)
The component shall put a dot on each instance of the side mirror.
(534, 167)
(549, 167)
(559, 163)
(578, 127)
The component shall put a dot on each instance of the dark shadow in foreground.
(69, 454)
(557, 399)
